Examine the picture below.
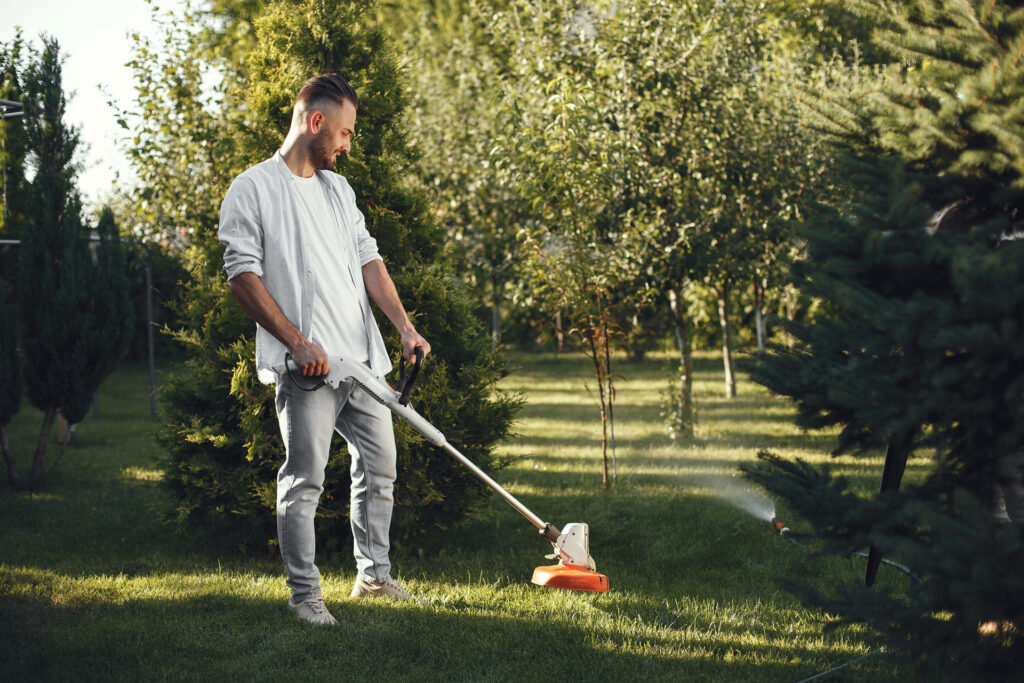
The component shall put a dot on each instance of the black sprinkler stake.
(896, 454)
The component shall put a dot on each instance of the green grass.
(94, 586)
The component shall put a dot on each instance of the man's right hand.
(311, 359)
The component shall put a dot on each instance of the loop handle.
(405, 383)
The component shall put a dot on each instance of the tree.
(75, 317)
(923, 273)
(454, 119)
(220, 426)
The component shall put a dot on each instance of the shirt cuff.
(236, 269)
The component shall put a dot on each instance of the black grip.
(405, 383)
(303, 383)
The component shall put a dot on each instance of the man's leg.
(307, 421)
(366, 426)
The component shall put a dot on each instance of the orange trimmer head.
(575, 570)
(571, 577)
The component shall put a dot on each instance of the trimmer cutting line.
(575, 569)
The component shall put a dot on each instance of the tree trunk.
(595, 354)
(12, 466)
(685, 419)
(36, 475)
(759, 316)
(790, 314)
(497, 296)
(610, 393)
(723, 317)
(559, 336)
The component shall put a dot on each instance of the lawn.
(94, 586)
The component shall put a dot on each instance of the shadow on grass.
(230, 638)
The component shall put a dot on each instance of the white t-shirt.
(338, 320)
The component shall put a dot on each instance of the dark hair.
(332, 87)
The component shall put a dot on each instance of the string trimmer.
(575, 569)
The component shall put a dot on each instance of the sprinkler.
(779, 526)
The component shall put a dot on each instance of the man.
(301, 263)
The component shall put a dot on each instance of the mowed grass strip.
(94, 587)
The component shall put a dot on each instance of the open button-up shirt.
(261, 228)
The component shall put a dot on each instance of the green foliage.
(176, 139)
(922, 265)
(220, 426)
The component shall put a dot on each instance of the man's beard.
(321, 153)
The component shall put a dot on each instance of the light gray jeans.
(307, 421)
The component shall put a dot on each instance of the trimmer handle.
(405, 383)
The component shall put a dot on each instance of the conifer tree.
(924, 274)
(73, 308)
(221, 429)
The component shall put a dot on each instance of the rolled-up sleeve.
(365, 242)
(241, 230)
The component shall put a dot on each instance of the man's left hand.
(410, 340)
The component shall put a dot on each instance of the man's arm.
(382, 290)
(256, 301)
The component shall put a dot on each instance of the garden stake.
(575, 569)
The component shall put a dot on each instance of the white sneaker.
(387, 589)
(314, 611)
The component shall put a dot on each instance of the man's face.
(334, 129)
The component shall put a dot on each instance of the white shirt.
(261, 226)
(337, 318)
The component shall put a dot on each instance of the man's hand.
(310, 358)
(410, 340)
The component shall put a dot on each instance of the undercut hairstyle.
(327, 87)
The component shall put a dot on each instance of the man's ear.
(316, 120)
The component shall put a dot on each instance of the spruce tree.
(924, 276)
(221, 431)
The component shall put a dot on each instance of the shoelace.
(394, 584)
(317, 606)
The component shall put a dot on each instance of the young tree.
(74, 313)
(924, 273)
(554, 140)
